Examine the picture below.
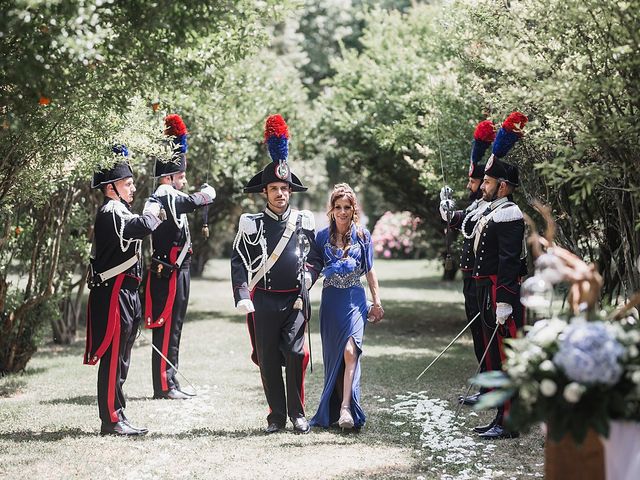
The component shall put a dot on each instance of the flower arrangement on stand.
(577, 375)
(396, 235)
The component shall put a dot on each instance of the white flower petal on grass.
(451, 447)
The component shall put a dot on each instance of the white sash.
(275, 255)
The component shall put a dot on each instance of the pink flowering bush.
(397, 235)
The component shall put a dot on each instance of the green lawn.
(49, 425)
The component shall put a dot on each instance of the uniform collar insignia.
(275, 216)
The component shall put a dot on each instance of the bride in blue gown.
(348, 254)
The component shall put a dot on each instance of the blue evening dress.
(343, 313)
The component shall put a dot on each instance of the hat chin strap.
(113, 184)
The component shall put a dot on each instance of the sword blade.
(448, 346)
(167, 360)
(486, 350)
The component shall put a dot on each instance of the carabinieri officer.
(274, 260)
(114, 311)
(465, 220)
(168, 280)
(500, 259)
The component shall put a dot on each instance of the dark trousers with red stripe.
(167, 337)
(486, 291)
(114, 364)
(471, 309)
(279, 340)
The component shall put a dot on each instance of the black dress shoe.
(172, 394)
(273, 428)
(300, 425)
(142, 430)
(485, 428)
(125, 420)
(470, 400)
(119, 428)
(188, 394)
(497, 432)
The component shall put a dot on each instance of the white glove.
(245, 306)
(152, 207)
(446, 206)
(308, 281)
(209, 191)
(446, 192)
(503, 311)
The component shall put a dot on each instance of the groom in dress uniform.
(274, 258)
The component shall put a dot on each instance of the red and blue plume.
(515, 122)
(483, 135)
(120, 149)
(276, 136)
(485, 131)
(511, 131)
(175, 127)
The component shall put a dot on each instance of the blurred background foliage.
(382, 94)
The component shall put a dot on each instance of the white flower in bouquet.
(545, 332)
(548, 387)
(635, 377)
(573, 392)
(589, 353)
(547, 366)
(529, 393)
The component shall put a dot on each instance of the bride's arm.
(377, 312)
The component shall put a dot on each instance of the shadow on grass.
(31, 436)
(79, 400)
(12, 383)
(416, 319)
(210, 432)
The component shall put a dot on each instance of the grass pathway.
(49, 424)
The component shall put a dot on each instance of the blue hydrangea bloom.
(589, 354)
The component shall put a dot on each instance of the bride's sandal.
(346, 420)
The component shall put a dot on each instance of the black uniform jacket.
(168, 240)
(284, 275)
(115, 227)
(499, 256)
(467, 257)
